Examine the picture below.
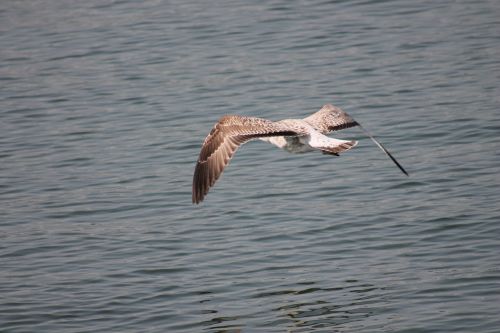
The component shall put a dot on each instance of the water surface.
(103, 108)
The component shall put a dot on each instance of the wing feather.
(224, 139)
(330, 118)
(337, 149)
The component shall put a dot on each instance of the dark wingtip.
(397, 163)
(196, 191)
(384, 150)
(197, 198)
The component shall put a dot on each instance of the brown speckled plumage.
(224, 139)
(293, 135)
(330, 118)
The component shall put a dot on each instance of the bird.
(292, 135)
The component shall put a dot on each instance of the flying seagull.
(292, 135)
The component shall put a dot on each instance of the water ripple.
(103, 110)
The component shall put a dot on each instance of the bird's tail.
(330, 145)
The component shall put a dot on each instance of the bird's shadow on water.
(306, 306)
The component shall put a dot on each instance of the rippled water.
(103, 108)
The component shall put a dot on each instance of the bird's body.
(308, 139)
(291, 144)
(292, 135)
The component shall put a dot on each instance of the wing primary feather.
(227, 135)
(383, 149)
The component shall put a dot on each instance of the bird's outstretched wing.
(226, 136)
(331, 118)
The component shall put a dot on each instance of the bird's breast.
(291, 144)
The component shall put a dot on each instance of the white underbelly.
(291, 144)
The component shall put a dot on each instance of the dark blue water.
(104, 106)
